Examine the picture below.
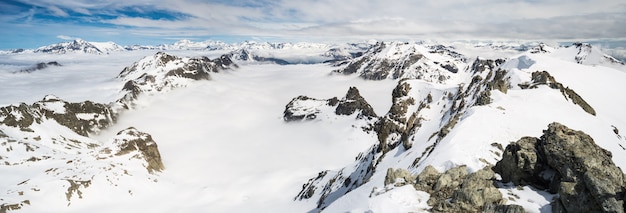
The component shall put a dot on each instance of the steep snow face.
(397, 60)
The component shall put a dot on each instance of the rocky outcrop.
(353, 102)
(40, 66)
(82, 117)
(457, 190)
(398, 123)
(544, 78)
(569, 163)
(14, 206)
(541, 48)
(138, 145)
(306, 108)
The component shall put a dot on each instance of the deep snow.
(226, 147)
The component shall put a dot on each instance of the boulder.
(457, 190)
(567, 162)
(399, 177)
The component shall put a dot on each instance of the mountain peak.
(397, 60)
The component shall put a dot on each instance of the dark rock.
(544, 78)
(541, 48)
(101, 115)
(40, 66)
(583, 174)
(499, 82)
(492, 208)
(403, 175)
(484, 98)
(21, 116)
(14, 206)
(72, 115)
(450, 68)
(352, 102)
(480, 65)
(477, 191)
(521, 164)
(296, 111)
(132, 140)
(456, 190)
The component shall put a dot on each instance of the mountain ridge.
(434, 134)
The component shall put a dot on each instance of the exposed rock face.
(12, 207)
(399, 177)
(82, 118)
(163, 72)
(131, 140)
(480, 65)
(569, 163)
(456, 190)
(544, 78)
(397, 60)
(395, 127)
(40, 66)
(354, 102)
(303, 107)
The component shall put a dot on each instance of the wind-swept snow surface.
(380, 130)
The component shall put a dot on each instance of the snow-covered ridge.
(436, 125)
(80, 46)
(430, 147)
(163, 72)
(414, 60)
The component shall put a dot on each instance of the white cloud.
(415, 19)
(64, 37)
(58, 11)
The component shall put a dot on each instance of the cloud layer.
(318, 19)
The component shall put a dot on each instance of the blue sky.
(35, 23)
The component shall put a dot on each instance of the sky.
(35, 23)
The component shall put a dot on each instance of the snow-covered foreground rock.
(398, 127)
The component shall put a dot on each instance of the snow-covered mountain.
(163, 72)
(398, 60)
(423, 127)
(80, 46)
(434, 128)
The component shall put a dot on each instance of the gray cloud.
(423, 19)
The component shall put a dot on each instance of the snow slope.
(510, 115)
(225, 146)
